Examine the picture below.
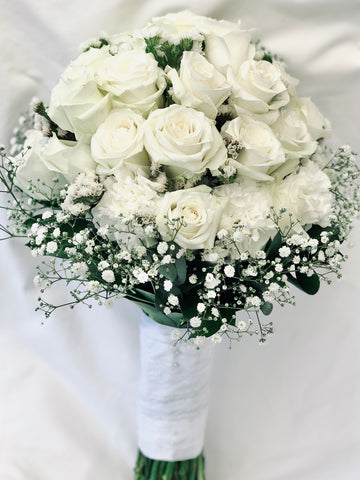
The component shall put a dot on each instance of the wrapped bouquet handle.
(174, 394)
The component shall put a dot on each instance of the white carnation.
(246, 215)
(306, 195)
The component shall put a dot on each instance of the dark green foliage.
(168, 54)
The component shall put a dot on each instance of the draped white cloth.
(68, 385)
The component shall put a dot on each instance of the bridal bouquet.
(177, 167)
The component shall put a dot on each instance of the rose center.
(182, 127)
(121, 134)
(265, 74)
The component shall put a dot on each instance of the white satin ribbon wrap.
(174, 394)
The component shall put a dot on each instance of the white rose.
(134, 79)
(292, 131)
(318, 126)
(290, 81)
(174, 26)
(186, 24)
(227, 50)
(261, 153)
(306, 195)
(258, 89)
(127, 41)
(118, 141)
(184, 140)
(190, 217)
(33, 176)
(198, 84)
(248, 207)
(76, 103)
(68, 158)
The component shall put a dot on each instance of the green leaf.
(274, 246)
(309, 285)
(149, 296)
(266, 308)
(176, 317)
(188, 305)
(229, 314)
(169, 320)
(267, 58)
(211, 327)
(169, 271)
(180, 265)
(315, 232)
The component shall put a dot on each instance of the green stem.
(168, 471)
(149, 469)
(154, 470)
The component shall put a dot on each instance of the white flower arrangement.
(189, 141)
(178, 168)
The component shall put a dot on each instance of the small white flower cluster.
(85, 187)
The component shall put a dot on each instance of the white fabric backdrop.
(289, 410)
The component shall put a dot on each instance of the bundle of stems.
(148, 469)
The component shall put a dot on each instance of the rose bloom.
(69, 158)
(318, 126)
(175, 26)
(134, 79)
(292, 131)
(193, 214)
(229, 48)
(185, 24)
(306, 194)
(184, 140)
(198, 84)
(47, 158)
(262, 152)
(258, 89)
(76, 103)
(119, 141)
(32, 170)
